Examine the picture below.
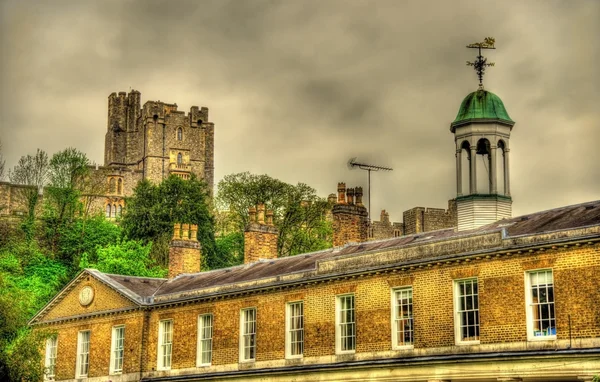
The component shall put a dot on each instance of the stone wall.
(420, 219)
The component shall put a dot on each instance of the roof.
(482, 106)
(302, 266)
(570, 224)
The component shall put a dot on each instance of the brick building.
(494, 298)
(141, 142)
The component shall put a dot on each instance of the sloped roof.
(150, 290)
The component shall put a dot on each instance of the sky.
(297, 88)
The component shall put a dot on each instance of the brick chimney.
(184, 250)
(260, 236)
(350, 217)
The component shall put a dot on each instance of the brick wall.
(502, 313)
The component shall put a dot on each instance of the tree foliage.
(28, 279)
(298, 212)
(67, 173)
(2, 162)
(31, 173)
(153, 209)
(128, 257)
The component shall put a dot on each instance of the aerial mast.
(352, 163)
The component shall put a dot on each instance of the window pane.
(542, 303)
(468, 310)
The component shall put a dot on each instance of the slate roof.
(146, 290)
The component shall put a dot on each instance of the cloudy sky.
(296, 88)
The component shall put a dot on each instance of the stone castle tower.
(158, 140)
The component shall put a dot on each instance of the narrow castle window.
(179, 158)
(120, 186)
(108, 210)
(111, 185)
(119, 210)
(114, 211)
(180, 134)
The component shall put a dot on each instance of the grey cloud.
(296, 88)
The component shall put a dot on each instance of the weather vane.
(481, 62)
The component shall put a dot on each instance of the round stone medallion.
(86, 295)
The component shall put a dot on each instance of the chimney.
(350, 219)
(331, 199)
(184, 250)
(358, 193)
(350, 195)
(341, 193)
(260, 237)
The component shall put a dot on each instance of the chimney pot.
(341, 193)
(252, 214)
(185, 231)
(269, 217)
(261, 214)
(176, 231)
(350, 195)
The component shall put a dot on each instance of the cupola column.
(473, 171)
(493, 171)
(506, 173)
(459, 172)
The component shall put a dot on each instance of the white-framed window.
(117, 349)
(205, 336)
(165, 344)
(50, 361)
(466, 308)
(539, 296)
(402, 318)
(345, 324)
(294, 329)
(83, 354)
(248, 334)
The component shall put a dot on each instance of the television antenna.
(352, 163)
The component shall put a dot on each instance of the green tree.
(28, 279)
(129, 257)
(85, 235)
(2, 162)
(299, 213)
(68, 171)
(31, 172)
(152, 210)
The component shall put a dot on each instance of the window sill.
(542, 338)
(345, 352)
(115, 373)
(247, 360)
(163, 368)
(203, 364)
(403, 347)
(466, 343)
(294, 356)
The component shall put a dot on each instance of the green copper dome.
(481, 106)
